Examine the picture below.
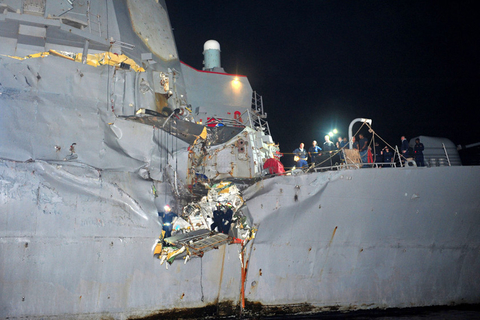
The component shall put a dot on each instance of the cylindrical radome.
(211, 55)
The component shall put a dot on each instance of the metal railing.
(256, 117)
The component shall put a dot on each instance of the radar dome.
(211, 55)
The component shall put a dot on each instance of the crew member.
(404, 148)
(418, 150)
(300, 156)
(314, 152)
(377, 154)
(354, 143)
(338, 144)
(167, 219)
(387, 156)
(363, 148)
(227, 218)
(341, 146)
(328, 147)
(217, 219)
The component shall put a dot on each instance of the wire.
(386, 143)
(201, 278)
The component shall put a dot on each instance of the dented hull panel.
(351, 241)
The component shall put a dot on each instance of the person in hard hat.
(217, 219)
(167, 219)
(300, 156)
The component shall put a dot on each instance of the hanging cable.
(176, 162)
(201, 277)
(165, 166)
(176, 148)
(386, 143)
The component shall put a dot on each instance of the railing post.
(446, 154)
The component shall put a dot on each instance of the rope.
(372, 141)
(386, 143)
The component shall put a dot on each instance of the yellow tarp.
(98, 59)
(104, 58)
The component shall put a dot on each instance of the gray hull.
(348, 242)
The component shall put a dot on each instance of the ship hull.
(77, 245)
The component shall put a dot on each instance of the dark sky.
(411, 66)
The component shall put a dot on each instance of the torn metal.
(185, 130)
(194, 233)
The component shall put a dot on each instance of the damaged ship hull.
(332, 240)
(81, 185)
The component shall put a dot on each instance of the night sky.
(411, 66)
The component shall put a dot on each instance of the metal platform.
(199, 241)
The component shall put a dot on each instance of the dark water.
(461, 312)
(469, 312)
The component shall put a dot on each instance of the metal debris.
(192, 233)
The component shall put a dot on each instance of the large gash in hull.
(81, 184)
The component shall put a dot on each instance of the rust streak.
(221, 275)
(327, 254)
(242, 291)
(333, 235)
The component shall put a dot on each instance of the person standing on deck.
(418, 151)
(341, 145)
(328, 147)
(314, 152)
(300, 156)
(387, 156)
(363, 148)
(404, 148)
(354, 143)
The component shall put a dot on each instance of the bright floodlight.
(330, 134)
(236, 85)
(335, 131)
